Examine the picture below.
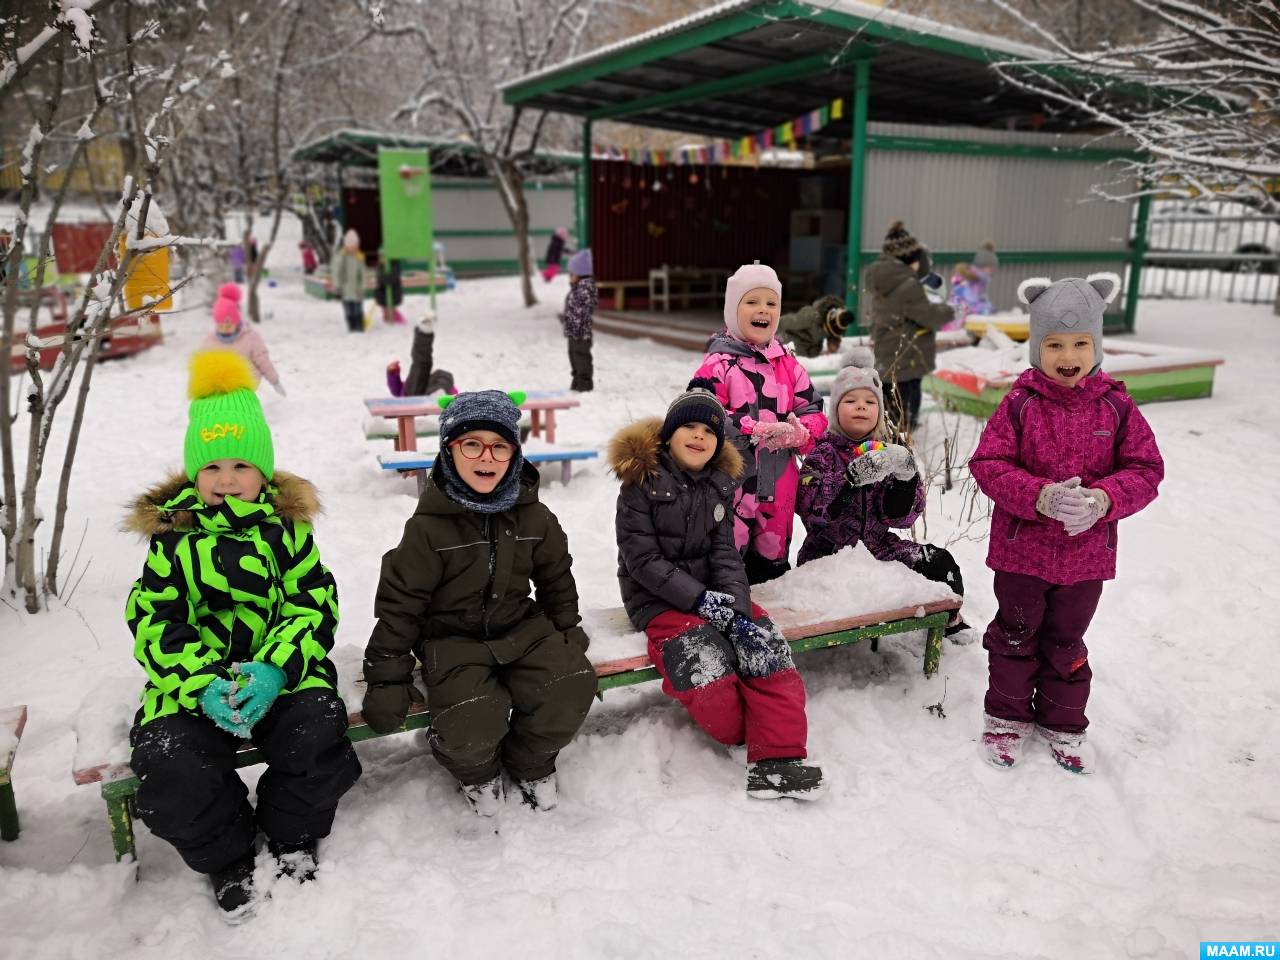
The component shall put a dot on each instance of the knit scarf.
(502, 497)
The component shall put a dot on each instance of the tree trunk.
(510, 183)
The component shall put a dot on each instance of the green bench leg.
(933, 650)
(8, 812)
(119, 796)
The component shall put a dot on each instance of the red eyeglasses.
(474, 449)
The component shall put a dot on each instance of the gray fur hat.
(1068, 306)
(857, 369)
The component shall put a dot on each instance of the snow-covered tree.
(466, 49)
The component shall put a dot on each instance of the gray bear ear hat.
(1068, 306)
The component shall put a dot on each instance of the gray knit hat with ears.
(857, 369)
(1068, 306)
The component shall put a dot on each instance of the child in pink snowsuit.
(229, 333)
(1064, 457)
(776, 413)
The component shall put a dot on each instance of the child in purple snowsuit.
(775, 412)
(847, 496)
(1064, 457)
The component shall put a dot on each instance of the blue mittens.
(715, 607)
(263, 684)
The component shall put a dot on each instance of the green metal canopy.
(744, 65)
(449, 158)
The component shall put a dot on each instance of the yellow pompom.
(216, 372)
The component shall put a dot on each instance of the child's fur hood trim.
(633, 453)
(296, 501)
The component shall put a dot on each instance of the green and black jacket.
(227, 584)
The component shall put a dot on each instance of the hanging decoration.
(742, 149)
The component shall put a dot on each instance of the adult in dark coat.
(903, 323)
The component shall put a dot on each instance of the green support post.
(1135, 267)
(857, 181)
(8, 811)
(584, 189)
(119, 797)
(933, 649)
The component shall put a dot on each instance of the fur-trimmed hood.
(634, 450)
(296, 500)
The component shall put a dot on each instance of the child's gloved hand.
(1063, 501)
(781, 435)
(715, 607)
(1099, 504)
(901, 461)
(215, 701)
(760, 652)
(874, 466)
(263, 683)
(387, 704)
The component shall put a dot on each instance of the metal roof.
(744, 65)
(359, 148)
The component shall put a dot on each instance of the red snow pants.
(701, 668)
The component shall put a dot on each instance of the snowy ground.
(919, 850)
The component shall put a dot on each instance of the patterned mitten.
(902, 463)
(791, 434)
(872, 467)
(1099, 503)
(761, 652)
(715, 608)
(1063, 501)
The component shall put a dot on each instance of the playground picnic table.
(406, 410)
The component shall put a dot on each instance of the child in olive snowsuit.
(507, 677)
(685, 585)
(851, 491)
(234, 616)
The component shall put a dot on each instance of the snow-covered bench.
(808, 605)
(12, 722)
(379, 428)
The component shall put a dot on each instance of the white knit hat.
(857, 369)
(748, 277)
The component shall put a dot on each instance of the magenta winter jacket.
(1064, 433)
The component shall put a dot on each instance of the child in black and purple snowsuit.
(579, 305)
(855, 487)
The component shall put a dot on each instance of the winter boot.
(791, 777)
(233, 888)
(539, 794)
(1003, 740)
(485, 798)
(296, 860)
(1072, 751)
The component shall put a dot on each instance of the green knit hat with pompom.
(225, 420)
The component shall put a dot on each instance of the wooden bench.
(376, 428)
(617, 290)
(686, 281)
(421, 461)
(119, 785)
(407, 410)
(12, 722)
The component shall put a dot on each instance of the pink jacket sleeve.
(805, 397)
(261, 358)
(994, 465)
(1140, 468)
(713, 368)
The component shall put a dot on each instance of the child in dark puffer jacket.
(685, 585)
(856, 487)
